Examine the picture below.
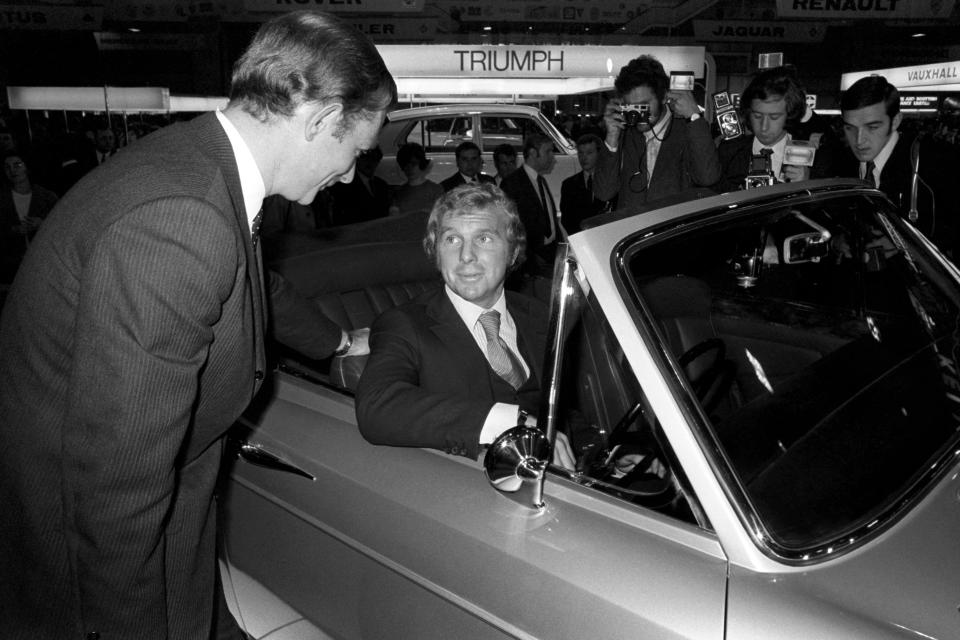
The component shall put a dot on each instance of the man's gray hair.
(311, 57)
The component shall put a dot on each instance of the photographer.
(657, 144)
(769, 105)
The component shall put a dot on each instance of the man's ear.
(897, 119)
(326, 117)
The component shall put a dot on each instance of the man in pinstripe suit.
(132, 339)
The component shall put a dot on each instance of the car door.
(383, 542)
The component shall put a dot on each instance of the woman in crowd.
(419, 193)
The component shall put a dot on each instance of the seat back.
(353, 284)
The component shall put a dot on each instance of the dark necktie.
(589, 185)
(546, 201)
(255, 227)
(868, 175)
(501, 359)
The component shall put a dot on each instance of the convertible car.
(770, 380)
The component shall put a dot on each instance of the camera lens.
(631, 118)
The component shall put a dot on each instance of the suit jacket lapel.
(211, 136)
(532, 337)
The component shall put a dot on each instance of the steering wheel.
(712, 385)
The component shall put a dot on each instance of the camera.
(635, 114)
(761, 170)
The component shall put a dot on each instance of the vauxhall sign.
(943, 76)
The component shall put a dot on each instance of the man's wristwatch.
(342, 351)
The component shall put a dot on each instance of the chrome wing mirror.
(516, 463)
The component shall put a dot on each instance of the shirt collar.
(661, 126)
(884, 154)
(470, 312)
(778, 147)
(251, 182)
(533, 175)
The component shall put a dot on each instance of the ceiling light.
(918, 35)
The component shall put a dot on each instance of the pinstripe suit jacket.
(131, 340)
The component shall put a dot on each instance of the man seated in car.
(461, 364)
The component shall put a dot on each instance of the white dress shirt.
(778, 148)
(881, 159)
(502, 415)
(251, 182)
(548, 205)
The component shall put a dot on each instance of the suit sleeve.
(702, 162)
(398, 405)
(606, 175)
(151, 291)
(298, 323)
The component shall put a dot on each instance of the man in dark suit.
(666, 151)
(453, 369)
(132, 339)
(469, 167)
(577, 201)
(888, 159)
(528, 188)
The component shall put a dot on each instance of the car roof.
(413, 112)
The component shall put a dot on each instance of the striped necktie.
(501, 359)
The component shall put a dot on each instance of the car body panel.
(486, 125)
(443, 541)
(405, 542)
(871, 593)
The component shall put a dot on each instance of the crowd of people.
(672, 153)
(134, 333)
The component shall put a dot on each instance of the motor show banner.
(57, 18)
(758, 31)
(942, 76)
(864, 9)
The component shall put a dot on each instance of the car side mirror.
(806, 247)
(516, 462)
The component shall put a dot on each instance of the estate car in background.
(772, 382)
(440, 128)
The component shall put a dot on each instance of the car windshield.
(820, 341)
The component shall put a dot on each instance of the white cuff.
(502, 416)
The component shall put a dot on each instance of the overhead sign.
(170, 10)
(63, 18)
(112, 41)
(89, 98)
(755, 31)
(353, 6)
(943, 76)
(511, 61)
(387, 29)
(581, 11)
(865, 9)
(919, 103)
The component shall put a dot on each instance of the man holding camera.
(657, 144)
(772, 101)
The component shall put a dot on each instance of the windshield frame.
(894, 508)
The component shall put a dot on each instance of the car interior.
(820, 352)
